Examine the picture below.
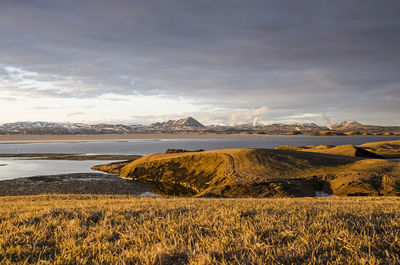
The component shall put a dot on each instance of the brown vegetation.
(387, 148)
(264, 173)
(343, 150)
(326, 133)
(87, 229)
(174, 151)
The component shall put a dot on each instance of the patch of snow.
(84, 179)
(149, 194)
(322, 194)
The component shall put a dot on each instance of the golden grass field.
(82, 229)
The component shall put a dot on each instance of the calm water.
(143, 147)
(22, 168)
(11, 168)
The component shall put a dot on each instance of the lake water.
(20, 168)
(11, 168)
(146, 146)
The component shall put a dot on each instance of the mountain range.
(191, 125)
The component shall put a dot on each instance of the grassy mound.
(387, 148)
(343, 150)
(265, 173)
(112, 168)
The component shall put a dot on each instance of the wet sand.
(77, 183)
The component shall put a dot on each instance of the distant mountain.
(185, 123)
(346, 124)
(278, 126)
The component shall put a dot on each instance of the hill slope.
(387, 148)
(264, 173)
(343, 150)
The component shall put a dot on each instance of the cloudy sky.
(220, 61)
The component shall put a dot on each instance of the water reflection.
(143, 147)
(12, 168)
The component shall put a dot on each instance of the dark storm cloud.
(336, 57)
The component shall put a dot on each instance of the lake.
(11, 168)
(14, 168)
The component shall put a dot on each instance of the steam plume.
(327, 121)
(253, 115)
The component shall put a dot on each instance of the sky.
(220, 61)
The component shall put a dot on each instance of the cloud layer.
(299, 59)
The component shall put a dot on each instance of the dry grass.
(388, 148)
(81, 229)
(250, 172)
(342, 150)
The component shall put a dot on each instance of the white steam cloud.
(327, 121)
(253, 115)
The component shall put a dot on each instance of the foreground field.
(77, 229)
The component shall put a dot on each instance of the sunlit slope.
(266, 173)
(343, 150)
(387, 148)
(195, 171)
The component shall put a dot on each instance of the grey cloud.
(292, 56)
